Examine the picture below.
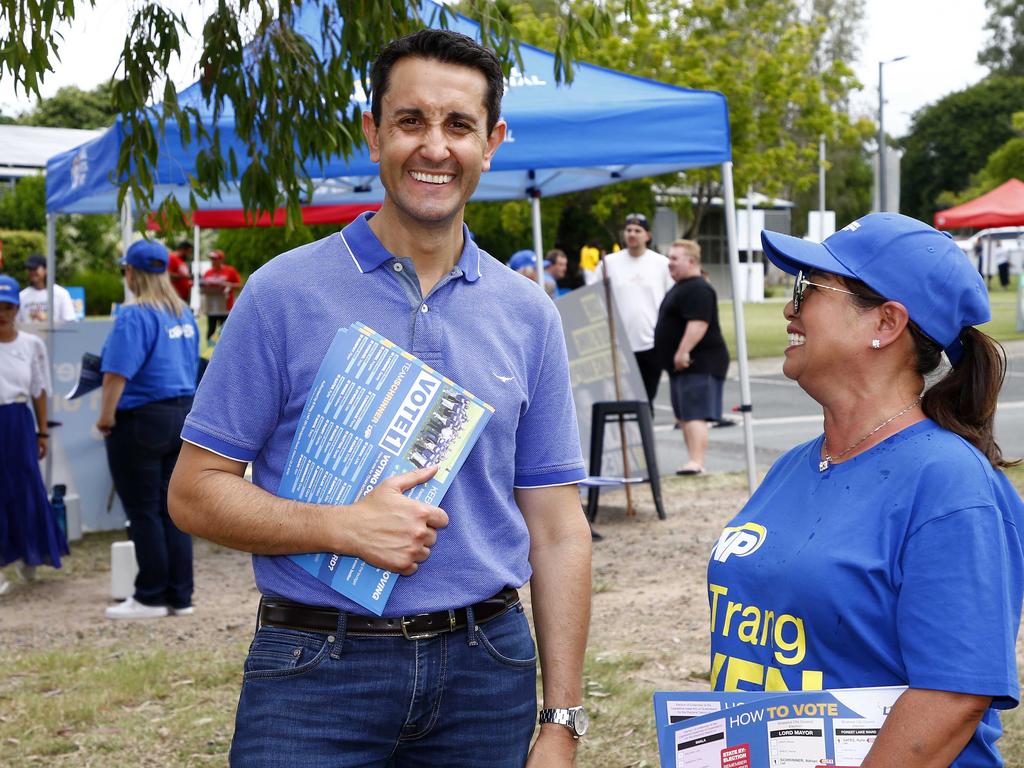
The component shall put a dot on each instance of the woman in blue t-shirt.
(886, 551)
(149, 367)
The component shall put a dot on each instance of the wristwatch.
(573, 718)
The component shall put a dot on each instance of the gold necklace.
(829, 459)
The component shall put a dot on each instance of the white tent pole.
(51, 276)
(51, 270)
(194, 297)
(750, 227)
(126, 236)
(741, 334)
(821, 186)
(538, 240)
(127, 223)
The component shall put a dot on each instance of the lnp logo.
(740, 540)
(79, 169)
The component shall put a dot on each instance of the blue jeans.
(461, 699)
(141, 453)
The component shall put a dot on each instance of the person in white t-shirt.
(639, 279)
(34, 301)
(29, 533)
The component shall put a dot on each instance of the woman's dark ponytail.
(964, 400)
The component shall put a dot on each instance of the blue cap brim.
(15, 300)
(792, 255)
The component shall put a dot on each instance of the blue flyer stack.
(374, 411)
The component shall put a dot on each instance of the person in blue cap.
(887, 550)
(149, 364)
(29, 534)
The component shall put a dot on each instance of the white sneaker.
(5, 584)
(131, 609)
(25, 572)
(181, 611)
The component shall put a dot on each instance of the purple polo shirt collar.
(368, 253)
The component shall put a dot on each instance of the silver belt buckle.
(407, 621)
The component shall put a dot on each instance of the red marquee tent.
(1002, 207)
(236, 218)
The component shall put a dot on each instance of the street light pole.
(882, 202)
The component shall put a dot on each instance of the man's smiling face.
(432, 142)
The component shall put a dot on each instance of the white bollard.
(73, 515)
(123, 569)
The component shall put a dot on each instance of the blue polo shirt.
(156, 350)
(491, 330)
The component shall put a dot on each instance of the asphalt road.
(785, 416)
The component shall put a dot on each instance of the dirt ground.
(648, 584)
(649, 606)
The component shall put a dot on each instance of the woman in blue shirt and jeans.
(149, 367)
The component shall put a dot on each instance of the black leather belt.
(275, 612)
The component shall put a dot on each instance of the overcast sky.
(941, 39)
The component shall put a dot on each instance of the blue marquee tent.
(606, 127)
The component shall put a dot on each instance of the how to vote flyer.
(671, 707)
(375, 411)
(773, 729)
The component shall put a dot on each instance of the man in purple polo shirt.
(325, 683)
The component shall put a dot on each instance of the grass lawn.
(766, 327)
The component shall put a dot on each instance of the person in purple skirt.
(29, 534)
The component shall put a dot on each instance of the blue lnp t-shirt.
(489, 329)
(900, 566)
(156, 350)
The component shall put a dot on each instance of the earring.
(876, 344)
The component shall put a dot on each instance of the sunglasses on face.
(800, 288)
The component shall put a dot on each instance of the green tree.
(16, 246)
(1005, 163)
(1004, 52)
(567, 221)
(71, 107)
(83, 242)
(780, 65)
(24, 207)
(291, 106)
(249, 248)
(848, 182)
(88, 243)
(952, 139)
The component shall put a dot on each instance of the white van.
(989, 248)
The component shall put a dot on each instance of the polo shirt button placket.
(398, 266)
(423, 308)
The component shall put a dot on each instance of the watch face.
(581, 723)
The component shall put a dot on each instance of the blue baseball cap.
(147, 255)
(903, 260)
(520, 259)
(10, 291)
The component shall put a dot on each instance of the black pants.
(650, 372)
(212, 321)
(141, 453)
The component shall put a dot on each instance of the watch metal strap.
(558, 716)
